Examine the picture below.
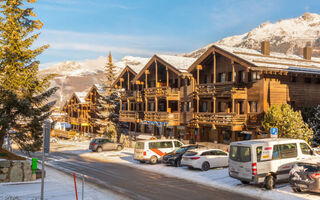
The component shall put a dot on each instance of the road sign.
(46, 136)
(274, 132)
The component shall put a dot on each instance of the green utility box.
(34, 164)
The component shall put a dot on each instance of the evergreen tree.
(289, 122)
(312, 117)
(107, 108)
(23, 95)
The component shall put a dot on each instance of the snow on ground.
(57, 186)
(217, 178)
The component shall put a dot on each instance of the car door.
(212, 158)
(107, 145)
(221, 158)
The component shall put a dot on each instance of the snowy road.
(134, 183)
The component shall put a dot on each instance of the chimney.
(307, 52)
(265, 48)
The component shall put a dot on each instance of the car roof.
(201, 150)
(266, 140)
(165, 140)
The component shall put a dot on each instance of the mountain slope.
(285, 36)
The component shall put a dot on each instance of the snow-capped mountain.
(285, 36)
(72, 76)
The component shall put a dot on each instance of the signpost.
(45, 150)
(274, 132)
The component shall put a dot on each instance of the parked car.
(265, 161)
(101, 144)
(174, 157)
(205, 159)
(153, 150)
(305, 176)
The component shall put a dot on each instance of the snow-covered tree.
(312, 117)
(289, 122)
(23, 95)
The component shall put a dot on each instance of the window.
(255, 76)
(253, 106)
(222, 77)
(284, 151)
(139, 145)
(229, 76)
(318, 81)
(307, 79)
(207, 153)
(241, 76)
(220, 153)
(259, 152)
(305, 149)
(240, 153)
(293, 79)
(177, 144)
(165, 145)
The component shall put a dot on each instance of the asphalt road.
(133, 183)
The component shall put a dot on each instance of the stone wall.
(15, 171)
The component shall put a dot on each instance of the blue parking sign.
(274, 132)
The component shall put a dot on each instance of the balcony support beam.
(214, 68)
(128, 80)
(197, 103)
(146, 105)
(156, 73)
(120, 105)
(128, 101)
(156, 104)
(233, 71)
(214, 105)
(233, 105)
(167, 70)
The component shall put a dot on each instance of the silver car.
(101, 144)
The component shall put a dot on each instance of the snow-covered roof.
(100, 88)
(179, 62)
(135, 63)
(276, 61)
(81, 96)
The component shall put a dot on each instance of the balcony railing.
(126, 94)
(219, 89)
(170, 118)
(138, 95)
(129, 116)
(220, 118)
(162, 91)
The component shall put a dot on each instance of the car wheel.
(153, 160)
(296, 189)
(245, 182)
(119, 147)
(177, 163)
(205, 166)
(142, 161)
(269, 182)
(99, 149)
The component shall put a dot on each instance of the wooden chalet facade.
(219, 97)
(80, 109)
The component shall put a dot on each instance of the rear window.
(310, 167)
(240, 153)
(190, 153)
(139, 145)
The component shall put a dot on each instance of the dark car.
(100, 144)
(305, 176)
(174, 157)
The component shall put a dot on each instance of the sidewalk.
(58, 186)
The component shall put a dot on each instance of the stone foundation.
(15, 171)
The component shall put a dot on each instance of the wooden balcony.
(226, 89)
(129, 116)
(220, 119)
(74, 120)
(173, 119)
(172, 93)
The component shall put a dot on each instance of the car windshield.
(181, 150)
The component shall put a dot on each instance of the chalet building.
(219, 97)
(80, 109)
(235, 86)
(153, 100)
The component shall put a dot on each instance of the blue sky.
(86, 29)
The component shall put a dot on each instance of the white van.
(153, 150)
(266, 160)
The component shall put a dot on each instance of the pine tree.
(312, 117)
(107, 108)
(289, 122)
(23, 95)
